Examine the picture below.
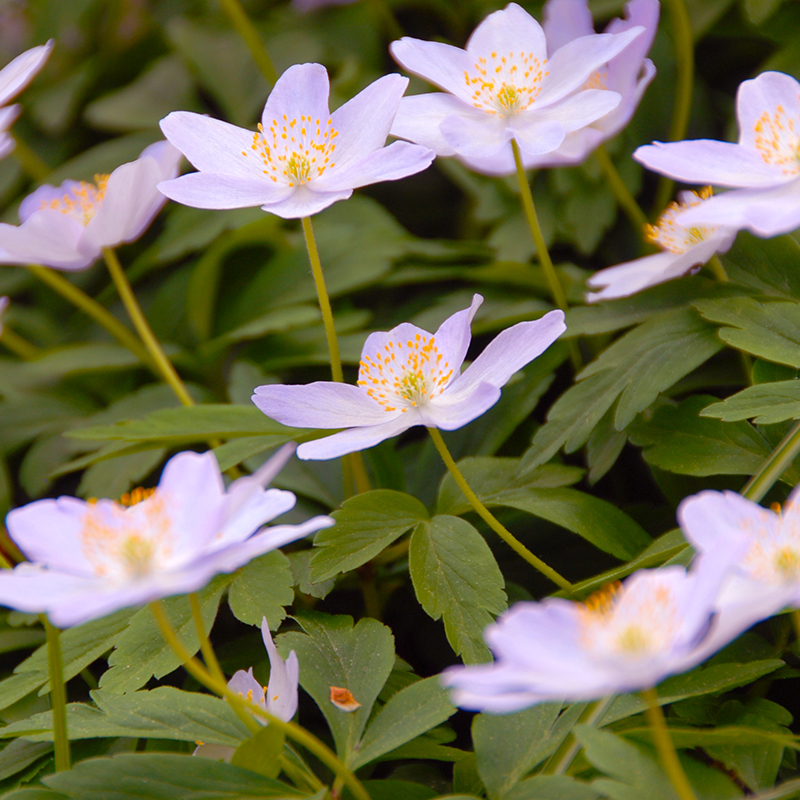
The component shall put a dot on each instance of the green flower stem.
(796, 623)
(684, 78)
(245, 28)
(566, 754)
(58, 695)
(718, 269)
(666, 748)
(627, 202)
(490, 519)
(353, 468)
(33, 165)
(91, 307)
(17, 345)
(776, 464)
(212, 664)
(165, 368)
(556, 289)
(291, 729)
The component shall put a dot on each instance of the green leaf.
(765, 404)
(409, 713)
(261, 753)
(539, 492)
(630, 373)
(261, 589)
(456, 577)
(365, 525)
(141, 652)
(333, 652)
(162, 776)
(768, 329)
(678, 439)
(767, 265)
(552, 787)
(299, 562)
(389, 789)
(163, 713)
(18, 754)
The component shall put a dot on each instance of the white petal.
(302, 90)
(508, 30)
(578, 110)
(419, 119)
(47, 237)
(440, 64)
(353, 439)
(535, 138)
(283, 679)
(19, 72)
(765, 94)
(565, 20)
(454, 335)
(476, 135)
(452, 411)
(219, 190)
(305, 201)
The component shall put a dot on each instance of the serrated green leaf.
(365, 525)
(334, 652)
(261, 589)
(456, 578)
(765, 403)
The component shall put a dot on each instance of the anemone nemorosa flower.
(302, 158)
(685, 250)
(504, 86)
(88, 559)
(763, 167)
(67, 226)
(278, 697)
(624, 638)
(763, 580)
(409, 377)
(14, 77)
(4, 301)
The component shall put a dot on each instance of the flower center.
(129, 539)
(292, 152)
(505, 84)
(778, 140)
(597, 80)
(82, 200)
(406, 374)
(670, 235)
(774, 555)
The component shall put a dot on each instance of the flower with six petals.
(409, 377)
(302, 158)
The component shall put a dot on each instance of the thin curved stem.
(666, 748)
(627, 202)
(206, 649)
(245, 28)
(292, 730)
(165, 368)
(592, 716)
(34, 166)
(490, 519)
(18, 345)
(684, 77)
(776, 464)
(58, 695)
(100, 315)
(719, 271)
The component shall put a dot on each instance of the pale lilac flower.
(763, 167)
(503, 87)
(14, 77)
(624, 638)
(409, 377)
(278, 697)
(88, 559)
(4, 301)
(685, 250)
(763, 580)
(67, 226)
(302, 158)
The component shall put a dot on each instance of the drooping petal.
(391, 163)
(507, 30)
(302, 91)
(772, 96)
(536, 137)
(19, 72)
(710, 161)
(475, 136)
(305, 201)
(419, 120)
(283, 679)
(353, 439)
(440, 64)
(322, 404)
(222, 190)
(565, 20)
(573, 150)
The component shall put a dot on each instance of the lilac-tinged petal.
(35, 590)
(283, 678)
(354, 439)
(578, 110)
(508, 352)
(565, 20)
(762, 96)
(221, 190)
(508, 30)
(246, 686)
(322, 404)
(536, 137)
(613, 122)
(452, 411)
(710, 161)
(4, 301)
(573, 150)
(269, 470)
(453, 336)
(440, 64)
(166, 155)
(419, 120)
(571, 66)
(305, 201)
(19, 72)
(246, 509)
(363, 123)
(210, 144)
(391, 163)
(302, 90)
(472, 136)
(8, 116)
(48, 237)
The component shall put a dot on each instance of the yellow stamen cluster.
(778, 140)
(294, 152)
(601, 601)
(597, 80)
(136, 496)
(406, 374)
(670, 235)
(505, 84)
(82, 201)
